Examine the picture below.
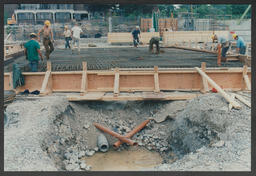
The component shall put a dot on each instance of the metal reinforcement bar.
(120, 84)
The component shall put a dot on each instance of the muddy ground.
(125, 57)
(50, 133)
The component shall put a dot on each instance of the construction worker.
(47, 38)
(32, 49)
(75, 33)
(154, 41)
(136, 36)
(240, 44)
(67, 34)
(225, 44)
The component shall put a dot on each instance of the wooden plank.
(219, 55)
(133, 97)
(156, 79)
(49, 66)
(205, 83)
(219, 89)
(153, 95)
(190, 48)
(116, 82)
(239, 97)
(246, 78)
(84, 84)
(45, 82)
(11, 80)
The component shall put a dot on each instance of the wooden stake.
(205, 83)
(84, 84)
(156, 79)
(219, 89)
(246, 78)
(11, 80)
(219, 55)
(47, 80)
(116, 83)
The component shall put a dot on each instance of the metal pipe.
(112, 133)
(133, 132)
(102, 143)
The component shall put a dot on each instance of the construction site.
(112, 103)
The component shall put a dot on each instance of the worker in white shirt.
(76, 31)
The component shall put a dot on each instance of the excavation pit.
(68, 138)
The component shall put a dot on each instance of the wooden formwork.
(190, 36)
(126, 37)
(123, 84)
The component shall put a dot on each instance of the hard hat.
(234, 36)
(33, 35)
(137, 27)
(47, 22)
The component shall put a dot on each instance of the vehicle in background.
(54, 16)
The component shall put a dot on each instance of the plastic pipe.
(131, 133)
(112, 133)
(102, 143)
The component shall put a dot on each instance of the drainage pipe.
(112, 133)
(131, 133)
(102, 143)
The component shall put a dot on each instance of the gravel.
(199, 134)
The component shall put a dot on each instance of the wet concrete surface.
(107, 58)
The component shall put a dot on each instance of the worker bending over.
(154, 41)
(32, 49)
(240, 44)
(136, 36)
(47, 38)
(225, 44)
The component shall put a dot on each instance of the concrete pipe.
(102, 143)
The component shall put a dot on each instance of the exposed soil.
(51, 133)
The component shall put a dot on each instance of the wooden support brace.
(156, 79)
(11, 80)
(239, 97)
(219, 89)
(116, 83)
(84, 84)
(204, 80)
(219, 55)
(246, 78)
(47, 80)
